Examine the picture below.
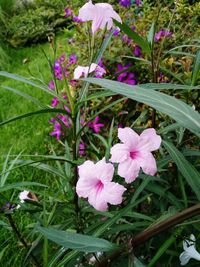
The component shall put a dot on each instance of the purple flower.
(137, 51)
(82, 148)
(64, 120)
(116, 32)
(57, 70)
(125, 3)
(138, 2)
(126, 76)
(57, 131)
(99, 72)
(162, 33)
(52, 85)
(54, 102)
(53, 120)
(72, 59)
(95, 126)
(76, 19)
(68, 12)
(62, 58)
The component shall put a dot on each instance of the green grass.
(30, 135)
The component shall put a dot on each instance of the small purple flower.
(68, 12)
(64, 120)
(126, 76)
(137, 51)
(125, 3)
(138, 2)
(162, 33)
(52, 85)
(82, 148)
(62, 58)
(67, 109)
(72, 59)
(116, 32)
(76, 19)
(54, 102)
(73, 82)
(8, 207)
(57, 131)
(99, 72)
(57, 70)
(126, 39)
(53, 120)
(95, 126)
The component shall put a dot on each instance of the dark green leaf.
(77, 242)
(176, 109)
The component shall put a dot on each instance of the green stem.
(20, 237)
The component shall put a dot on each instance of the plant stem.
(20, 237)
(152, 231)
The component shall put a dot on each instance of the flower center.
(134, 154)
(99, 186)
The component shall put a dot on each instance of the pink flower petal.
(113, 193)
(129, 169)
(86, 13)
(86, 169)
(148, 163)
(149, 140)
(97, 200)
(128, 137)
(119, 153)
(104, 171)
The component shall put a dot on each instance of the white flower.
(101, 15)
(84, 71)
(24, 195)
(190, 251)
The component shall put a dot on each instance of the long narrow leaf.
(196, 68)
(20, 185)
(142, 42)
(176, 109)
(75, 241)
(188, 171)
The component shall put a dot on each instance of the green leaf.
(162, 250)
(151, 33)
(77, 242)
(27, 81)
(26, 96)
(143, 43)
(168, 86)
(20, 185)
(138, 263)
(176, 109)
(188, 171)
(26, 115)
(196, 68)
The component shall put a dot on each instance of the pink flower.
(84, 71)
(101, 15)
(135, 153)
(95, 183)
(54, 102)
(95, 125)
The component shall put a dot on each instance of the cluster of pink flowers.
(161, 34)
(134, 153)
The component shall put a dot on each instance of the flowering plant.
(102, 192)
